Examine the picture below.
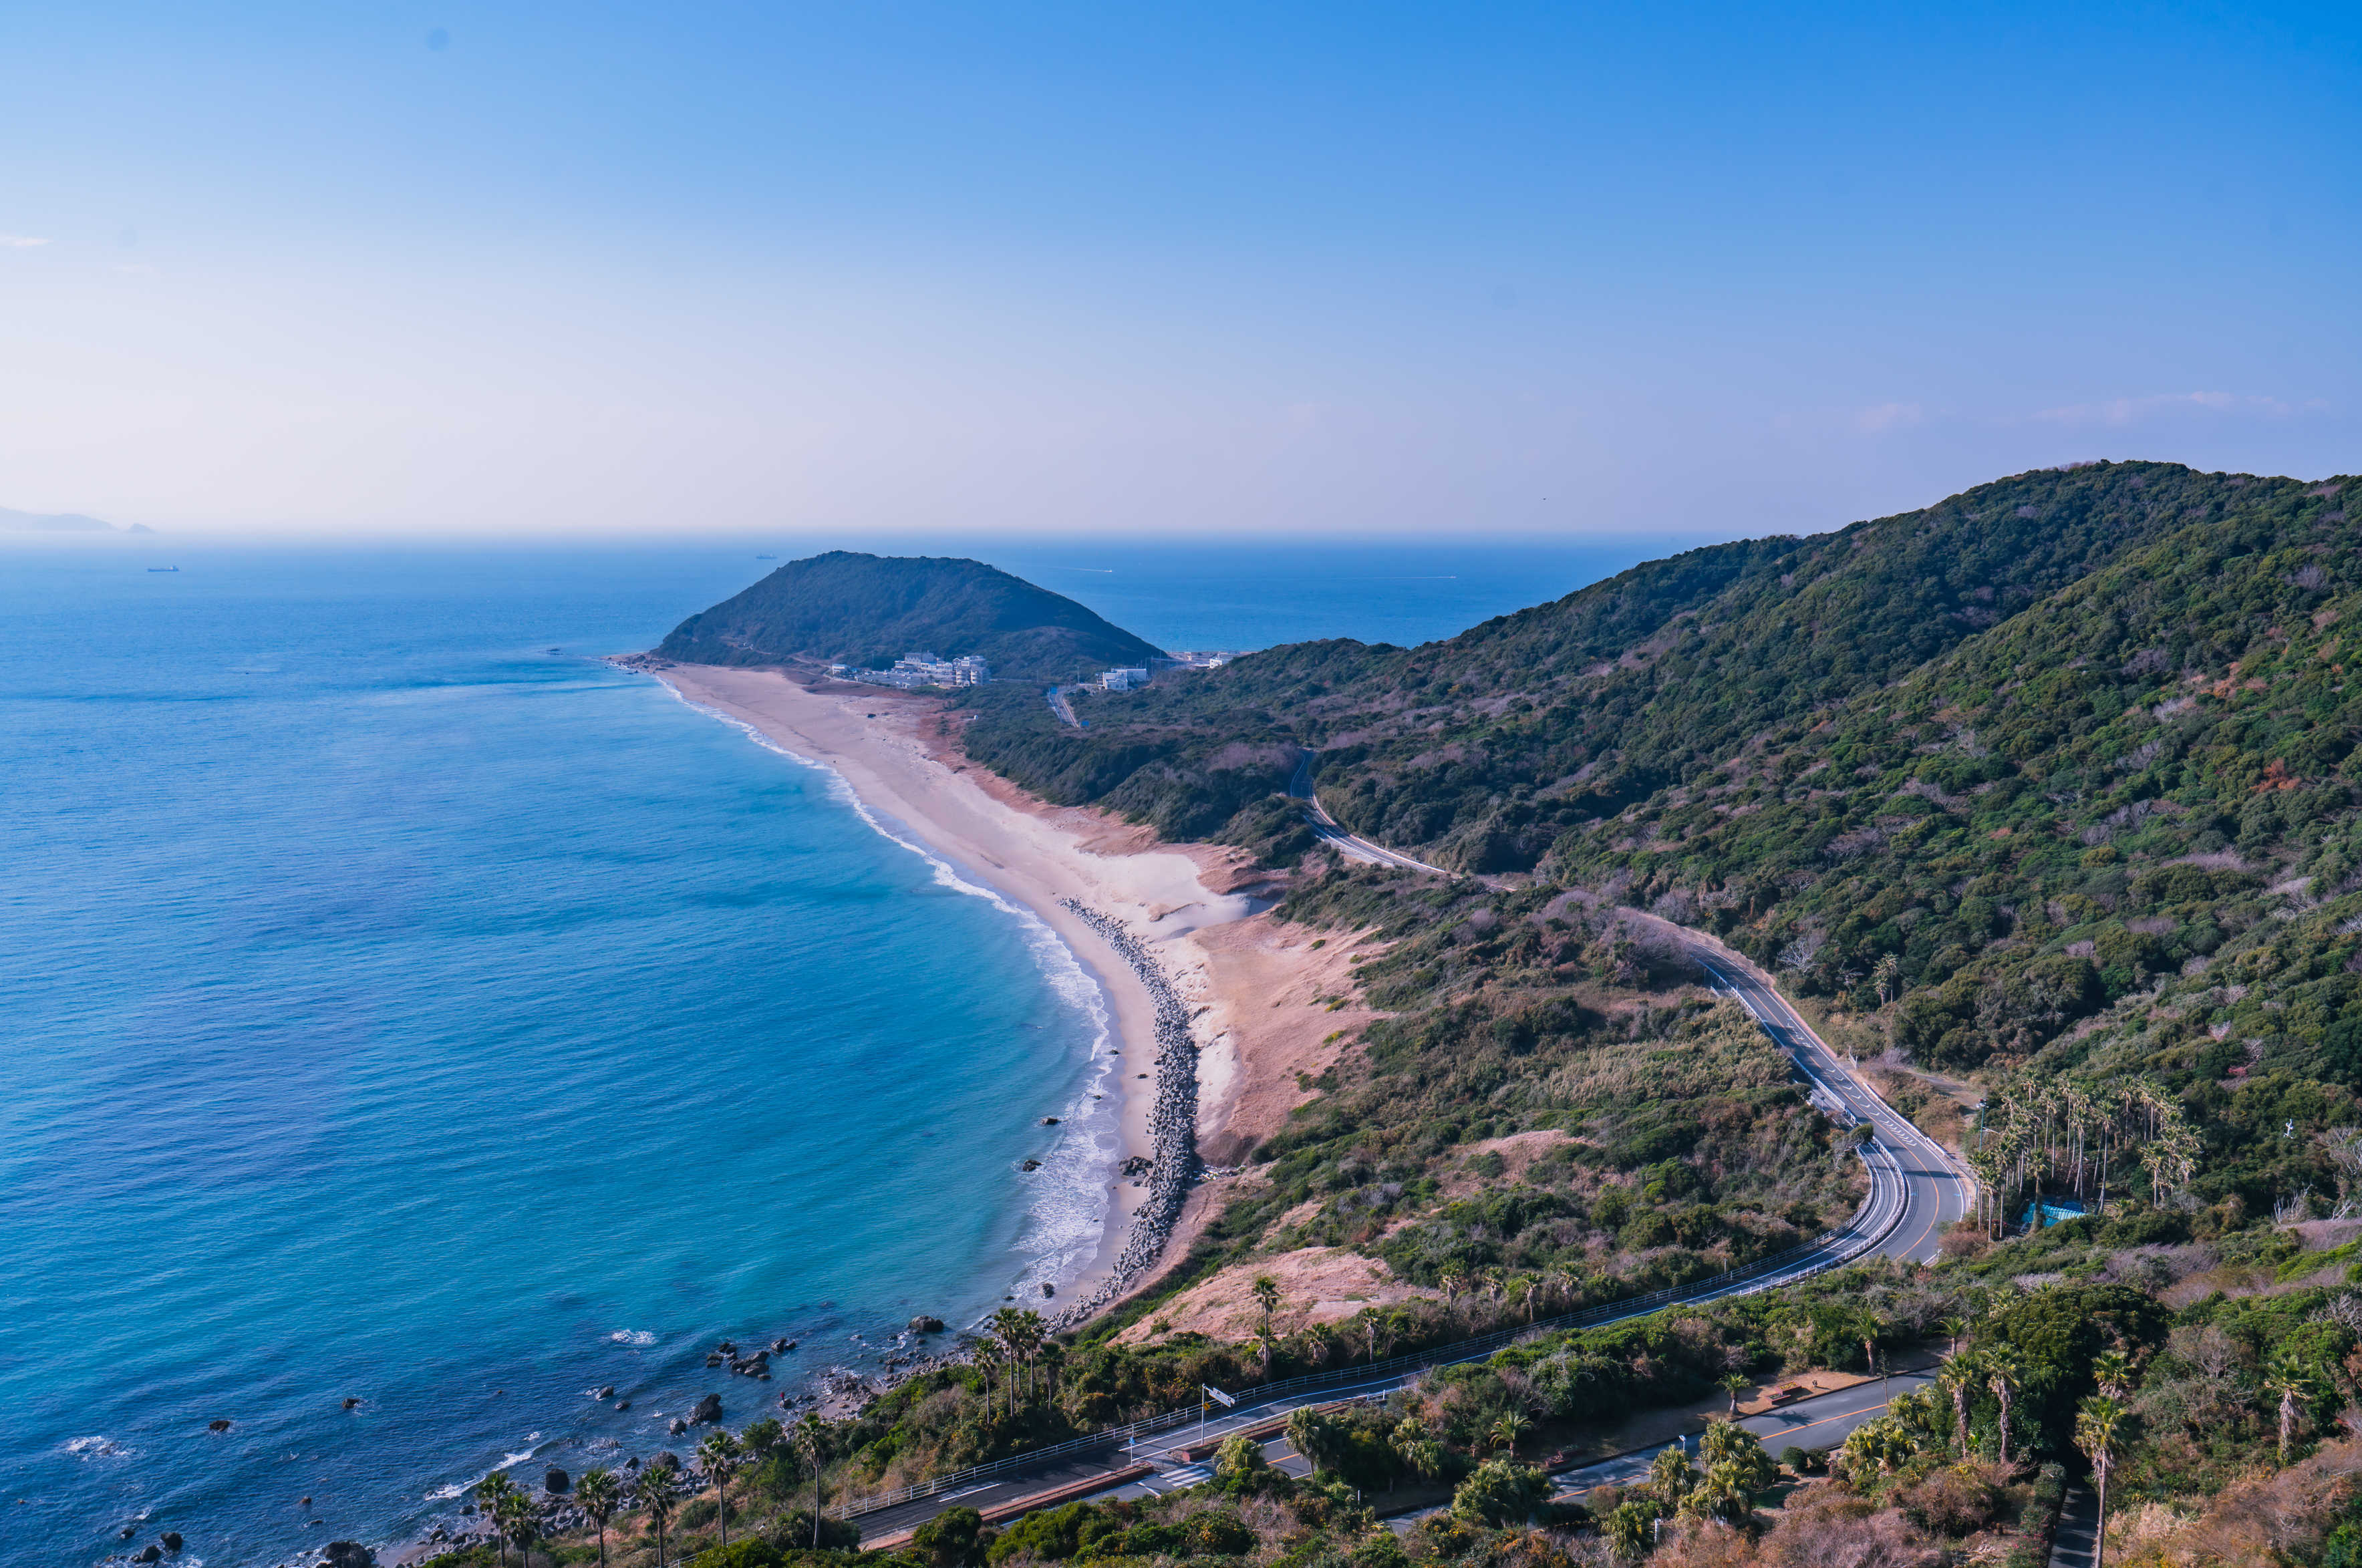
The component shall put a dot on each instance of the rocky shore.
(1172, 1121)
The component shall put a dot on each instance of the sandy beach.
(1260, 991)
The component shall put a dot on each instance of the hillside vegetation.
(871, 609)
(2043, 796)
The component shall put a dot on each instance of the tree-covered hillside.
(1485, 749)
(871, 609)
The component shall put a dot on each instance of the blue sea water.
(401, 1005)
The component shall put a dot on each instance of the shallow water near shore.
(400, 1011)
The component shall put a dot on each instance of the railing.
(1835, 1251)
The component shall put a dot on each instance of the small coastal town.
(921, 669)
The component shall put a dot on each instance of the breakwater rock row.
(1172, 1121)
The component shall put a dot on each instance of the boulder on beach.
(556, 1481)
(1048, 1288)
(922, 1324)
(349, 1554)
(708, 1409)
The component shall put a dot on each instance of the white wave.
(633, 1337)
(97, 1447)
(461, 1488)
(1069, 1212)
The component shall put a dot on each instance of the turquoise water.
(398, 1010)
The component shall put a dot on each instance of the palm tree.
(1510, 1427)
(599, 1494)
(986, 1355)
(489, 1493)
(2098, 1431)
(2113, 1371)
(717, 1456)
(658, 1499)
(1313, 1436)
(1955, 1377)
(812, 1438)
(2289, 1381)
(1266, 1294)
(2005, 1376)
(521, 1522)
(1955, 1328)
(1734, 1386)
(1671, 1476)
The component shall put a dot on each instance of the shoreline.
(1089, 882)
(1229, 1011)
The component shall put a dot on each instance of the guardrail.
(1835, 1251)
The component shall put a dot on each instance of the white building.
(917, 669)
(1123, 680)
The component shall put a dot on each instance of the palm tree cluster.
(2071, 1133)
(1014, 1338)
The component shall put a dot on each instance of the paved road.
(2078, 1540)
(1935, 1192)
(1056, 696)
(1822, 1421)
(1914, 1192)
(1351, 846)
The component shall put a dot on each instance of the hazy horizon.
(637, 272)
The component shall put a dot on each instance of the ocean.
(404, 1006)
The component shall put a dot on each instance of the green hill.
(871, 609)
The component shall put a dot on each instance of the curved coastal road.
(1915, 1191)
(1908, 1169)
(1352, 845)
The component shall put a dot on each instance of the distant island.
(62, 522)
(869, 611)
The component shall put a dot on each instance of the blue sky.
(1368, 270)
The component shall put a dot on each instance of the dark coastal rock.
(557, 1482)
(1052, 1121)
(1031, 1165)
(148, 1554)
(665, 1460)
(729, 1347)
(608, 1392)
(349, 1554)
(677, 1426)
(623, 1404)
(171, 1539)
(923, 1324)
(218, 1425)
(352, 1404)
(781, 1343)
(633, 1463)
(127, 1532)
(1048, 1288)
(787, 1344)
(714, 1358)
(708, 1409)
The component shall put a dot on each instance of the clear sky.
(1372, 270)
